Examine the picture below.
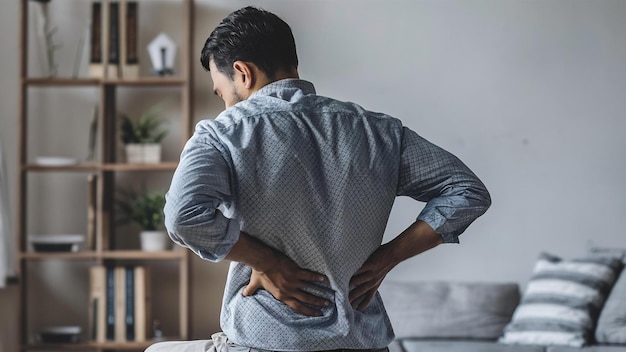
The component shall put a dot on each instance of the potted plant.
(142, 137)
(146, 210)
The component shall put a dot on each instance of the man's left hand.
(367, 279)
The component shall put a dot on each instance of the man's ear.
(245, 72)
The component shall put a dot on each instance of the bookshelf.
(108, 247)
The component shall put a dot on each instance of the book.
(129, 311)
(142, 303)
(97, 298)
(114, 40)
(129, 51)
(110, 304)
(120, 304)
(96, 64)
(92, 191)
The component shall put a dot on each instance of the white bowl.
(56, 242)
(59, 334)
(54, 161)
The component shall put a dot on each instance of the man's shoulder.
(324, 104)
(309, 105)
(227, 118)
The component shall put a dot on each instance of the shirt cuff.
(221, 250)
(436, 220)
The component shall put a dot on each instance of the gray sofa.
(471, 317)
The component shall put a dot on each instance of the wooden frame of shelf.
(117, 346)
(107, 255)
(106, 169)
(74, 82)
(93, 167)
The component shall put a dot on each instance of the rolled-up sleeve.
(200, 185)
(454, 195)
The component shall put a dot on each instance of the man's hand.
(278, 274)
(367, 279)
(286, 282)
(419, 237)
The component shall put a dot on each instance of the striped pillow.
(562, 301)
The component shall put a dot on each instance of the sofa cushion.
(410, 345)
(562, 301)
(612, 322)
(449, 309)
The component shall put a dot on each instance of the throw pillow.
(468, 310)
(612, 323)
(562, 301)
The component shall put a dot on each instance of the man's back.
(315, 179)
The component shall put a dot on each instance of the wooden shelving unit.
(107, 167)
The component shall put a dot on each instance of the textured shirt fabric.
(316, 179)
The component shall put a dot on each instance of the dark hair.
(254, 35)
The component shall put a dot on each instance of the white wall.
(529, 93)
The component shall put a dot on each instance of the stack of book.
(114, 34)
(119, 303)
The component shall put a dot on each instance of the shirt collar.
(286, 88)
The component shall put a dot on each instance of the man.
(296, 190)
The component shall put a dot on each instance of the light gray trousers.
(219, 343)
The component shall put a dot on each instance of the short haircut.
(253, 35)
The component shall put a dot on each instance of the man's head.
(248, 49)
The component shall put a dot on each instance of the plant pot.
(154, 241)
(147, 153)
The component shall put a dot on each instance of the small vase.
(148, 153)
(154, 241)
(151, 153)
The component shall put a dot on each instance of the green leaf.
(146, 128)
(143, 208)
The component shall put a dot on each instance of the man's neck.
(280, 75)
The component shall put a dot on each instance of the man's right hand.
(287, 283)
(277, 274)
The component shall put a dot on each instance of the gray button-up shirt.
(315, 178)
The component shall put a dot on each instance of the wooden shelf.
(147, 81)
(59, 82)
(82, 255)
(143, 255)
(109, 175)
(74, 168)
(77, 82)
(165, 166)
(114, 254)
(130, 345)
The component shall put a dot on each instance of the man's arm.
(276, 273)
(418, 238)
(454, 197)
(200, 185)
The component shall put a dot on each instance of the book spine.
(142, 300)
(129, 55)
(114, 40)
(91, 210)
(120, 304)
(130, 303)
(132, 52)
(97, 296)
(95, 48)
(110, 303)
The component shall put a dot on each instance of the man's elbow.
(483, 198)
